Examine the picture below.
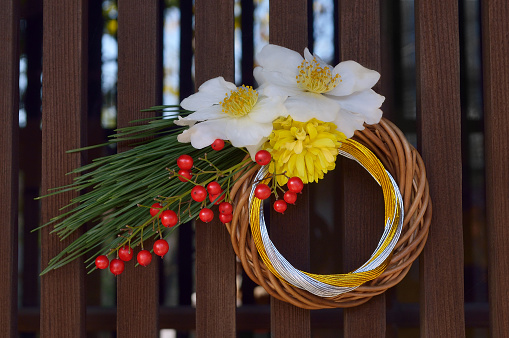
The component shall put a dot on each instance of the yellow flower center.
(304, 149)
(240, 101)
(314, 78)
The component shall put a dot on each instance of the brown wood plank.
(290, 232)
(215, 260)
(9, 102)
(362, 214)
(252, 317)
(139, 87)
(495, 25)
(439, 132)
(64, 105)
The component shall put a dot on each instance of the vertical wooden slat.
(9, 98)
(215, 260)
(439, 132)
(362, 214)
(139, 87)
(495, 25)
(288, 27)
(64, 105)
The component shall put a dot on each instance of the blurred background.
(251, 34)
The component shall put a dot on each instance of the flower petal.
(301, 167)
(267, 109)
(203, 134)
(184, 121)
(307, 106)
(366, 103)
(244, 132)
(210, 92)
(307, 55)
(348, 122)
(321, 61)
(279, 59)
(253, 149)
(279, 84)
(354, 77)
(210, 113)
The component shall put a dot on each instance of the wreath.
(237, 146)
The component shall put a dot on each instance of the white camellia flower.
(223, 111)
(340, 94)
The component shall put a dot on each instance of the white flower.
(223, 111)
(342, 94)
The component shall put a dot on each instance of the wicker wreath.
(405, 164)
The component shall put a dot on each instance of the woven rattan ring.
(404, 163)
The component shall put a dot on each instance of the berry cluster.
(263, 191)
(161, 213)
(295, 186)
(169, 218)
(125, 254)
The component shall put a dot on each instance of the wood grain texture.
(495, 25)
(288, 27)
(64, 106)
(362, 213)
(139, 87)
(290, 234)
(439, 135)
(215, 259)
(9, 98)
(252, 317)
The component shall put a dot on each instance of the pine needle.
(111, 187)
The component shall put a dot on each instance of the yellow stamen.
(314, 78)
(239, 102)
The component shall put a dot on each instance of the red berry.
(156, 207)
(169, 218)
(225, 218)
(116, 266)
(225, 208)
(144, 257)
(280, 206)
(263, 157)
(206, 215)
(185, 162)
(218, 144)
(214, 197)
(290, 197)
(262, 191)
(125, 253)
(214, 188)
(185, 175)
(198, 193)
(295, 184)
(161, 247)
(102, 262)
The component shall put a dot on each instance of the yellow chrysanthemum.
(304, 149)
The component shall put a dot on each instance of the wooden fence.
(363, 35)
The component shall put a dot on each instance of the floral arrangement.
(288, 131)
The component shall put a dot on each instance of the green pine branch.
(113, 186)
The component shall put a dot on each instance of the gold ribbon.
(372, 164)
